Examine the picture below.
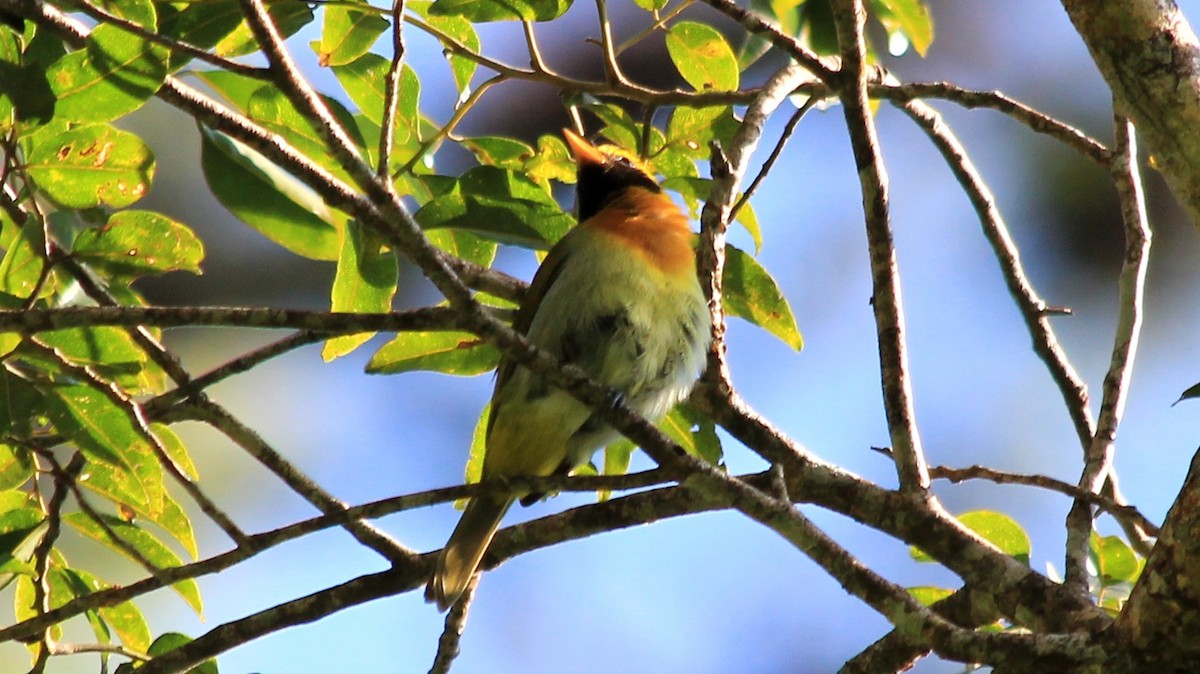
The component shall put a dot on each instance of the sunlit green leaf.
(288, 16)
(702, 56)
(365, 282)
(752, 294)
(474, 468)
(125, 618)
(111, 352)
(498, 204)
(268, 199)
(996, 528)
(202, 24)
(910, 18)
(694, 432)
(24, 260)
(929, 594)
(461, 30)
(348, 31)
(92, 165)
(138, 539)
(482, 11)
(365, 82)
(1115, 561)
(16, 466)
(113, 76)
(552, 161)
(133, 243)
(457, 353)
(106, 434)
(464, 245)
(508, 153)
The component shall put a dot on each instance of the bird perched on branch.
(618, 297)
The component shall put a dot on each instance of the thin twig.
(179, 46)
(850, 18)
(535, 52)
(241, 364)
(612, 69)
(1120, 511)
(1033, 309)
(452, 630)
(776, 152)
(243, 436)
(1099, 453)
(391, 94)
(136, 415)
(324, 322)
(659, 23)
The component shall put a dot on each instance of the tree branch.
(886, 299)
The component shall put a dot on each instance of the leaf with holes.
(92, 165)
(702, 56)
(135, 243)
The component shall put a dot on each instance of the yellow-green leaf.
(703, 56)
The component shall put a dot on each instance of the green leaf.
(482, 11)
(463, 32)
(702, 56)
(92, 165)
(498, 204)
(365, 82)
(928, 595)
(134, 243)
(236, 89)
(752, 294)
(288, 16)
(169, 642)
(458, 353)
(143, 542)
(996, 528)
(202, 24)
(694, 432)
(651, 5)
(1115, 561)
(113, 76)
(348, 32)
(464, 245)
(692, 128)
(552, 161)
(1192, 391)
(474, 468)
(21, 529)
(365, 281)
(909, 18)
(694, 190)
(107, 436)
(20, 406)
(24, 260)
(16, 466)
(110, 351)
(125, 619)
(269, 199)
(619, 127)
(270, 107)
(507, 153)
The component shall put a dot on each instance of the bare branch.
(886, 298)
(456, 621)
(1099, 453)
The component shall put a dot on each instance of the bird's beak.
(584, 152)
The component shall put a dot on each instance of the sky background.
(712, 593)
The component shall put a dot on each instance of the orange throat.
(652, 225)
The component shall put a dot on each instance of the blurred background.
(713, 593)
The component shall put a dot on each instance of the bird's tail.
(461, 556)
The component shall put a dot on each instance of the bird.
(619, 297)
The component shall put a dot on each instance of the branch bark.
(1150, 58)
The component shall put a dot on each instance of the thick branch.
(1150, 58)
